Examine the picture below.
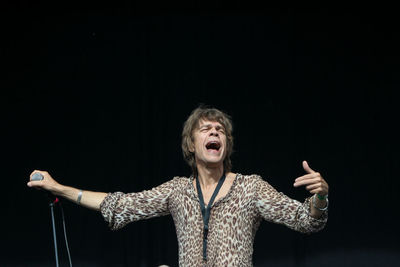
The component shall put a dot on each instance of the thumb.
(307, 168)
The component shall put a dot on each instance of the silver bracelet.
(78, 200)
(323, 209)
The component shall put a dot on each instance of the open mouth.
(213, 145)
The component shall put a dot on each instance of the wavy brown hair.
(193, 121)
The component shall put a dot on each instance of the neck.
(209, 176)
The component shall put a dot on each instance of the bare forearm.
(89, 199)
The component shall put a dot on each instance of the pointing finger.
(307, 182)
(307, 176)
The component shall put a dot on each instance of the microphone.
(37, 176)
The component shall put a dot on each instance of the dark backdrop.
(97, 95)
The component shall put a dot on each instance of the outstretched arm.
(89, 199)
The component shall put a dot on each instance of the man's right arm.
(88, 199)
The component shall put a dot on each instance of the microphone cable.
(65, 235)
(52, 203)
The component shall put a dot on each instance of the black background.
(97, 95)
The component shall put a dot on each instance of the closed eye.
(206, 128)
(220, 129)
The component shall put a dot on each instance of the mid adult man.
(216, 212)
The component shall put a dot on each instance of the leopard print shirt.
(233, 223)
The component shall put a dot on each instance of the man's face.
(209, 143)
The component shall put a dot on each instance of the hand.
(313, 181)
(48, 183)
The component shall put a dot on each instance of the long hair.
(193, 121)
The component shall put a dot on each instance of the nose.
(213, 132)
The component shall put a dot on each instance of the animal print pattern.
(234, 219)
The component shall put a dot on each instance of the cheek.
(197, 142)
(225, 143)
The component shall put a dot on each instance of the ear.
(191, 147)
(190, 144)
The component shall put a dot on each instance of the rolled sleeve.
(119, 209)
(107, 208)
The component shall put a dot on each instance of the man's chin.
(214, 161)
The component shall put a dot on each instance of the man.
(216, 212)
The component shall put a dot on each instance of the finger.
(323, 189)
(35, 183)
(308, 176)
(307, 168)
(314, 186)
(307, 182)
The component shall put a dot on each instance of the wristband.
(323, 209)
(78, 200)
(322, 197)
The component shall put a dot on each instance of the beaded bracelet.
(323, 209)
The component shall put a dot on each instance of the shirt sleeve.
(276, 207)
(118, 209)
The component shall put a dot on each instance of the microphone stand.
(53, 200)
(51, 205)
